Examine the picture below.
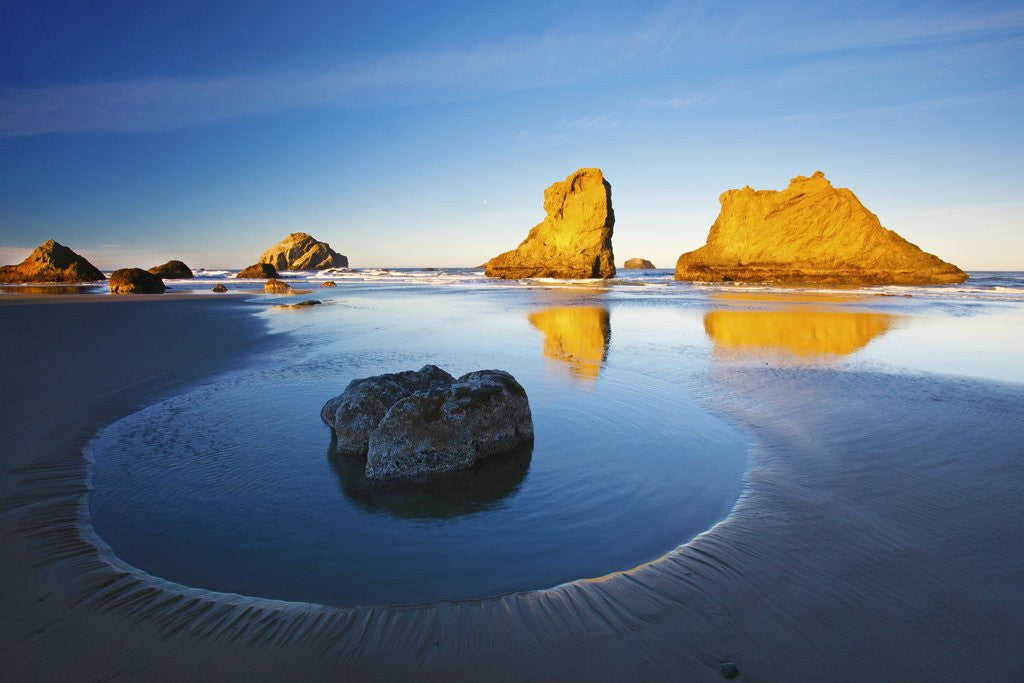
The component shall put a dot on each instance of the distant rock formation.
(220, 289)
(299, 251)
(275, 286)
(809, 232)
(259, 271)
(172, 270)
(573, 241)
(638, 264)
(52, 262)
(135, 281)
(329, 283)
(420, 424)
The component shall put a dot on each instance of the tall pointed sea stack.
(299, 251)
(809, 232)
(52, 262)
(573, 241)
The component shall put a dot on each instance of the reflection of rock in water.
(801, 333)
(465, 492)
(575, 335)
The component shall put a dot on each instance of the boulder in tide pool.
(638, 264)
(274, 286)
(135, 281)
(426, 423)
(259, 271)
(172, 270)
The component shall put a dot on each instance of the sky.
(424, 134)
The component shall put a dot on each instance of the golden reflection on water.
(576, 336)
(796, 332)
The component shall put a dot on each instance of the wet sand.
(879, 536)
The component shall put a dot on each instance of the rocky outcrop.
(135, 281)
(575, 238)
(329, 283)
(809, 232)
(274, 286)
(638, 264)
(425, 423)
(259, 271)
(220, 289)
(172, 270)
(52, 262)
(299, 251)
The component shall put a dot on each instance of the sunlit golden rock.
(135, 281)
(575, 335)
(275, 286)
(573, 241)
(799, 333)
(51, 262)
(172, 270)
(258, 271)
(809, 232)
(638, 264)
(299, 251)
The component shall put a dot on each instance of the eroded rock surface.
(575, 238)
(299, 251)
(809, 232)
(275, 286)
(52, 262)
(418, 424)
(135, 281)
(638, 264)
(172, 270)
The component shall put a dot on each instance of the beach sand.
(879, 536)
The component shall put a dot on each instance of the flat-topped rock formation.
(52, 262)
(638, 264)
(258, 271)
(172, 270)
(299, 251)
(810, 232)
(135, 281)
(575, 238)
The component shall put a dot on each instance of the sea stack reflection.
(576, 336)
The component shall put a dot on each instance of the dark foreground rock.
(421, 424)
(172, 270)
(135, 281)
(258, 271)
(51, 262)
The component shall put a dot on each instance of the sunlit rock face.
(52, 262)
(576, 336)
(299, 251)
(258, 271)
(425, 423)
(135, 281)
(638, 264)
(809, 232)
(172, 270)
(793, 335)
(575, 238)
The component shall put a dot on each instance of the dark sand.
(880, 537)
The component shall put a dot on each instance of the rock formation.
(809, 232)
(415, 424)
(329, 283)
(259, 271)
(275, 286)
(51, 262)
(299, 251)
(575, 238)
(220, 289)
(135, 281)
(172, 270)
(638, 264)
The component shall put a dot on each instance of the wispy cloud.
(602, 122)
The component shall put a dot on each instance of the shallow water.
(232, 485)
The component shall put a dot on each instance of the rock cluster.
(575, 238)
(809, 232)
(135, 281)
(259, 271)
(417, 424)
(638, 264)
(299, 251)
(172, 270)
(51, 262)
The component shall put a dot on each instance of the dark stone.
(220, 289)
(730, 670)
(135, 281)
(258, 271)
(172, 270)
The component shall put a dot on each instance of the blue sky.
(425, 133)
